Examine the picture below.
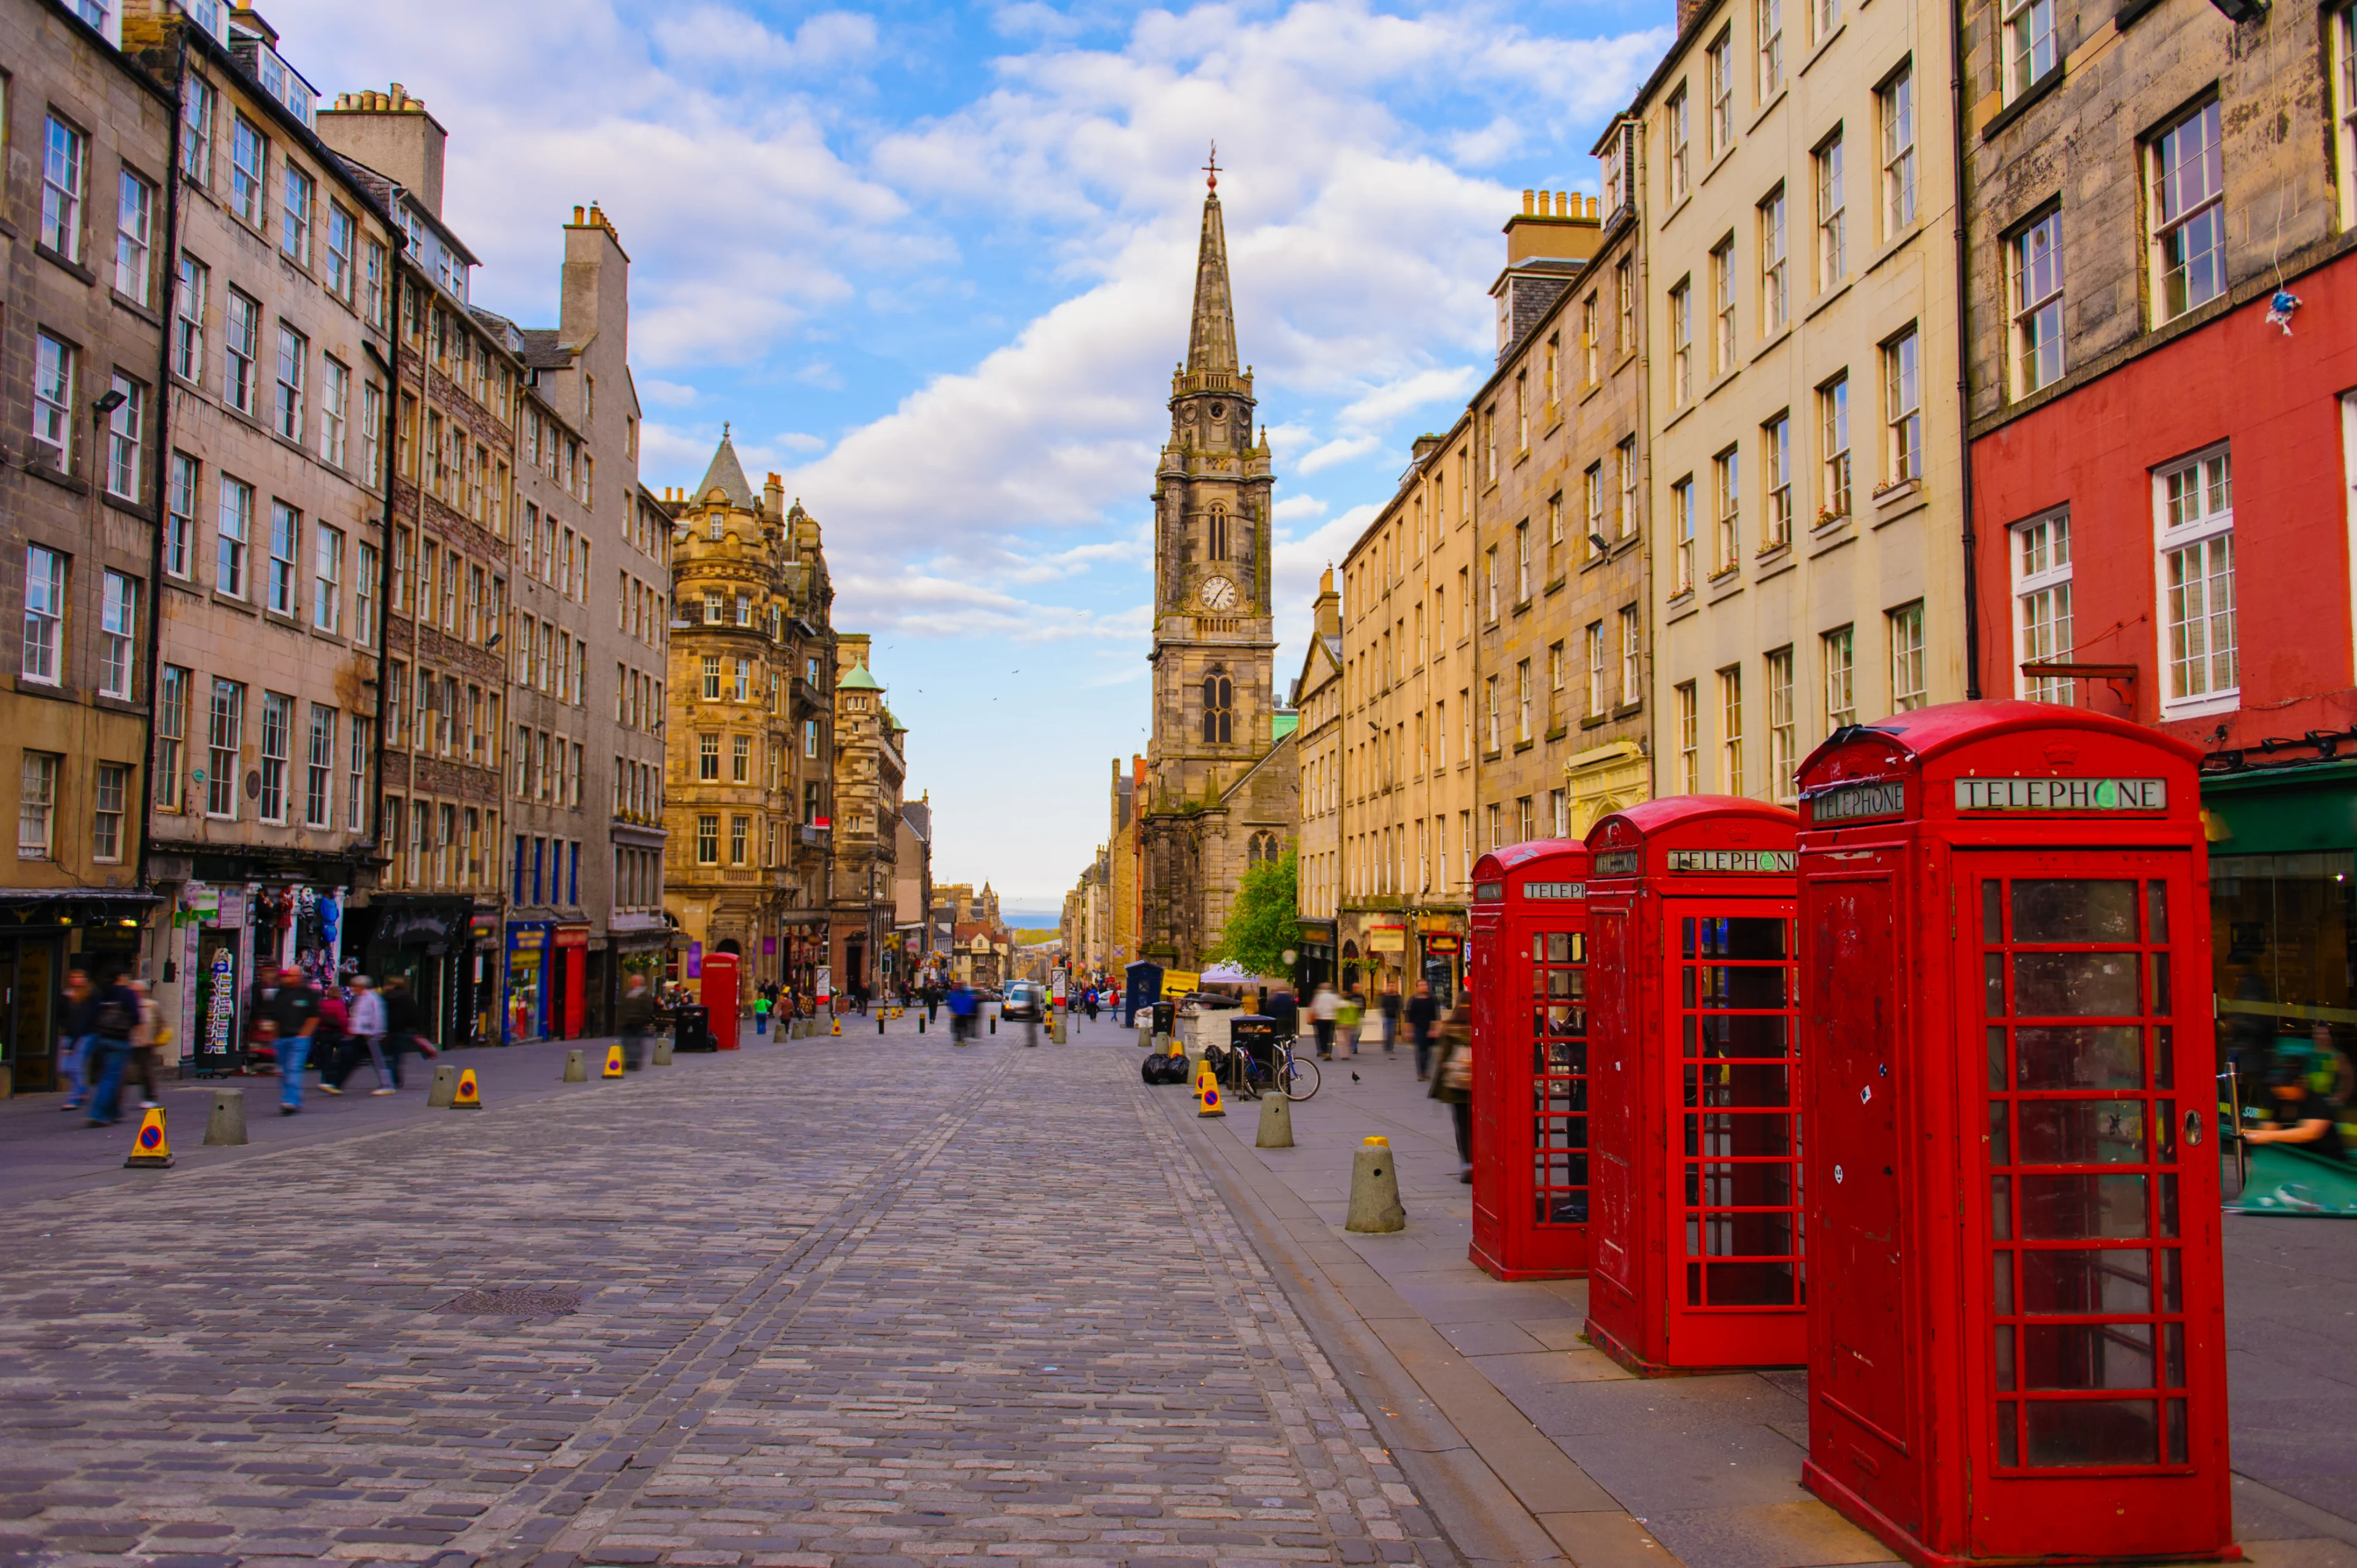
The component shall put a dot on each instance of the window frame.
(65, 186)
(2043, 632)
(2204, 213)
(43, 658)
(2034, 327)
(1832, 212)
(1903, 631)
(1895, 111)
(1775, 270)
(1902, 413)
(134, 232)
(2212, 525)
(118, 632)
(1776, 481)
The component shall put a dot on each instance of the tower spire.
(1211, 343)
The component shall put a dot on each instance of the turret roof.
(726, 475)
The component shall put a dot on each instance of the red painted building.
(2163, 522)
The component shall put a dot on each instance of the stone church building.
(1222, 789)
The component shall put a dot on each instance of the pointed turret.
(726, 475)
(1212, 344)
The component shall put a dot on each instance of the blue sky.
(933, 265)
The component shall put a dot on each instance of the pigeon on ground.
(1354, 1078)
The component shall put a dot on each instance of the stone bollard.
(1374, 1190)
(879, 1024)
(225, 1127)
(1056, 1030)
(1276, 1121)
(993, 1023)
(920, 1023)
(663, 1051)
(577, 1069)
(444, 1087)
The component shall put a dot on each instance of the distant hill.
(1024, 936)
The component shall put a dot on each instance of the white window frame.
(2187, 214)
(1783, 751)
(2044, 625)
(289, 384)
(56, 370)
(233, 532)
(2342, 84)
(126, 437)
(65, 186)
(2214, 522)
(1775, 271)
(238, 349)
(37, 805)
(1833, 212)
(1776, 481)
(1902, 408)
(1681, 378)
(285, 552)
(1679, 113)
(326, 578)
(224, 741)
(1895, 106)
(1768, 29)
(134, 228)
(248, 182)
(1682, 515)
(1904, 630)
(46, 575)
(1718, 75)
(118, 632)
(2034, 297)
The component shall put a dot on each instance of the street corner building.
(751, 744)
(1220, 786)
(83, 358)
(2161, 221)
(870, 770)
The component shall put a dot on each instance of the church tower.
(1214, 647)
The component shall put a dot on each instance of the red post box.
(720, 997)
(2015, 1347)
(1529, 1060)
(1694, 1257)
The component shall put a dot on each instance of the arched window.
(1218, 697)
(1261, 849)
(1217, 549)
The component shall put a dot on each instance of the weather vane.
(1212, 168)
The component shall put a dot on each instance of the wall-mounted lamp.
(108, 403)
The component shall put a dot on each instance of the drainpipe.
(163, 447)
(1964, 349)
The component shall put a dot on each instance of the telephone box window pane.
(2000, 1135)
(2076, 1282)
(1566, 947)
(2068, 1208)
(2168, 1206)
(2074, 986)
(2004, 1287)
(2078, 1057)
(2083, 1131)
(1751, 1284)
(1740, 937)
(2074, 910)
(1732, 1184)
(2087, 1356)
(2009, 1441)
(2177, 1431)
(2172, 1288)
(2001, 1207)
(2157, 911)
(2164, 1058)
(2160, 1007)
(1738, 1035)
(2172, 1339)
(2005, 1367)
(1566, 984)
(1563, 1057)
(2092, 1431)
(1754, 1136)
(1992, 975)
(1729, 986)
(1568, 1022)
(1995, 1051)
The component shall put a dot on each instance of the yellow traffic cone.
(613, 1061)
(837, 1027)
(150, 1150)
(1207, 1092)
(467, 1097)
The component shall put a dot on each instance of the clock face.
(1219, 594)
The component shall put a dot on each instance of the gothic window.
(1219, 698)
(1261, 849)
(1219, 549)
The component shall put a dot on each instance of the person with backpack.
(364, 1026)
(1452, 1080)
(337, 1053)
(113, 1015)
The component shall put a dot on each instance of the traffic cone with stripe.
(1208, 1098)
(150, 1150)
(467, 1097)
(613, 1061)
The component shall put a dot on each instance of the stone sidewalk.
(1575, 1460)
(833, 1303)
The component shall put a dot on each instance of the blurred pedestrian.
(637, 1017)
(114, 1015)
(1388, 1000)
(400, 1019)
(365, 1024)
(1423, 1014)
(963, 1009)
(1452, 1081)
(331, 1047)
(1323, 1007)
(295, 1010)
(148, 1038)
(73, 1043)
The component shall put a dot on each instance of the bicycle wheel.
(1300, 1076)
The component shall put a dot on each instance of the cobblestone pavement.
(855, 1302)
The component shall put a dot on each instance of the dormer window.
(717, 518)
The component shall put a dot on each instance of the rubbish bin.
(692, 1029)
(1254, 1034)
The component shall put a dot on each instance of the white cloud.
(1295, 506)
(1422, 388)
(1340, 450)
(665, 394)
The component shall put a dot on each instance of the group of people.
(339, 1026)
(1442, 1038)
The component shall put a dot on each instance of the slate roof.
(728, 475)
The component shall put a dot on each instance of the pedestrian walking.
(1323, 1008)
(400, 1024)
(114, 1015)
(364, 1025)
(637, 1017)
(1283, 1011)
(295, 1010)
(74, 1042)
(962, 1007)
(332, 1048)
(761, 1014)
(1348, 1014)
(149, 1035)
(1388, 1000)
(1452, 1081)
(1423, 1014)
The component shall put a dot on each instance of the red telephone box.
(1694, 1255)
(1529, 1060)
(2016, 1346)
(720, 996)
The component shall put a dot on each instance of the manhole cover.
(514, 1303)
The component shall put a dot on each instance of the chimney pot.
(577, 217)
(1526, 202)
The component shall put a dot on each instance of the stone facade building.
(435, 917)
(912, 888)
(749, 745)
(1319, 694)
(87, 274)
(263, 832)
(1559, 534)
(1405, 797)
(1794, 173)
(1215, 805)
(870, 770)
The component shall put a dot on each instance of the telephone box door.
(720, 996)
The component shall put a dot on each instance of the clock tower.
(1214, 648)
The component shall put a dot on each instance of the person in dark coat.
(401, 1024)
(1452, 1080)
(1423, 1013)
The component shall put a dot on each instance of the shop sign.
(230, 908)
(769, 947)
(695, 961)
(1709, 860)
(1856, 803)
(220, 1000)
(1619, 863)
(572, 936)
(1387, 939)
(2062, 794)
(1439, 943)
(1555, 889)
(199, 899)
(521, 937)
(824, 979)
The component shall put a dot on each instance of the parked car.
(1024, 999)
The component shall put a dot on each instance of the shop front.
(43, 934)
(525, 1015)
(1318, 962)
(433, 947)
(2283, 907)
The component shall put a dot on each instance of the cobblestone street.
(851, 1301)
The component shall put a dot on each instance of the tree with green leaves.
(1263, 923)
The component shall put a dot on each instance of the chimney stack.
(392, 133)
